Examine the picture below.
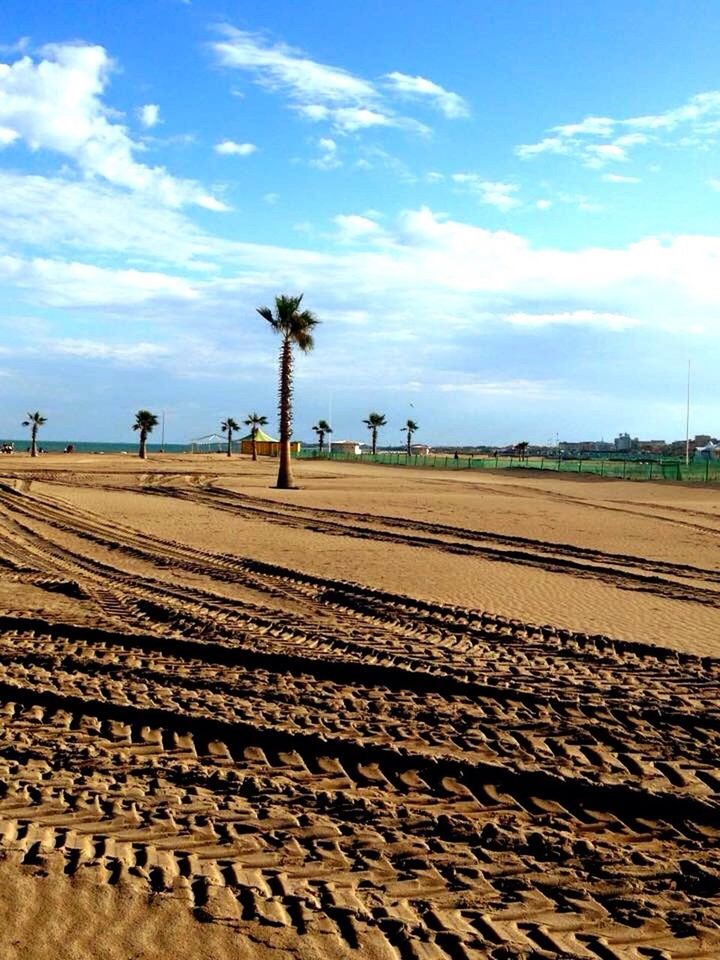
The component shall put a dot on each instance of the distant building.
(351, 447)
(625, 443)
(420, 449)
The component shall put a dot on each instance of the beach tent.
(266, 445)
(711, 451)
(212, 443)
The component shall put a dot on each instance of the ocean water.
(57, 446)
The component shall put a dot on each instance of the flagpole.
(687, 421)
(330, 422)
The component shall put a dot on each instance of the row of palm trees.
(374, 422)
(295, 328)
(254, 421)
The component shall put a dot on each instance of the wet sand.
(394, 714)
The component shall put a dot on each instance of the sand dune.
(389, 715)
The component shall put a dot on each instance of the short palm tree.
(373, 423)
(295, 327)
(144, 422)
(34, 421)
(410, 428)
(321, 428)
(254, 421)
(228, 426)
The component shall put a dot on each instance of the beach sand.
(416, 715)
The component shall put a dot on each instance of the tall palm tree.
(144, 422)
(254, 421)
(321, 428)
(410, 428)
(295, 328)
(227, 426)
(373, 423)
(34, 421)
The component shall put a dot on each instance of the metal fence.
(704, 471)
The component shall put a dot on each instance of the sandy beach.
(397, 714)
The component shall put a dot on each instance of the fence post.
(579, 466)
(446, 462)
(624, 468)
(542, 463)
(651, 470)
(707, 469)
(602, 468)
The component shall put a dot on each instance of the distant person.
(456, 456)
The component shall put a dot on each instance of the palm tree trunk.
(253, 434)
(374, 440)
(321, 438)
(285, 477)
(408, 443)
(33, 441)
(229, 442)
(141, 452)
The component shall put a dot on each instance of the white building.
(351, 447)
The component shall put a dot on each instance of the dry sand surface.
(393, 714)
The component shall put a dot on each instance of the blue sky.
(505, 214)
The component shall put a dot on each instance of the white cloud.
(61, 283)
(573, 318)
(353, 227)
(491, 192)
(316, 91)
(596, 141)
(8, 136)
(132, 353)
(149, 115)
(451, 104)
(229, 148)
(53, 213)
(281, 67)
(619, 178)
(56, 104)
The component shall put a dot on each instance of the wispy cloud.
(492, 192)
(597, 141)
(56, 104)
(323, 93)
(449, 103)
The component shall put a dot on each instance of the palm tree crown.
(295, 327)
(410, 428)
(34, 421)
(254, 421)
(321, 428)
(373, 423)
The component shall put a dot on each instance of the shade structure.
(211, 443)
(265, 445)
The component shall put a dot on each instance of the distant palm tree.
(373, 423)
(227, 426)
(410, 428)
(295, 327)
(144, 422)
(254, 421)
(321, 428)
(521, 449)
(34, 421)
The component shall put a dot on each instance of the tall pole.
(162, 434)
(330, 422)
(687, 421)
